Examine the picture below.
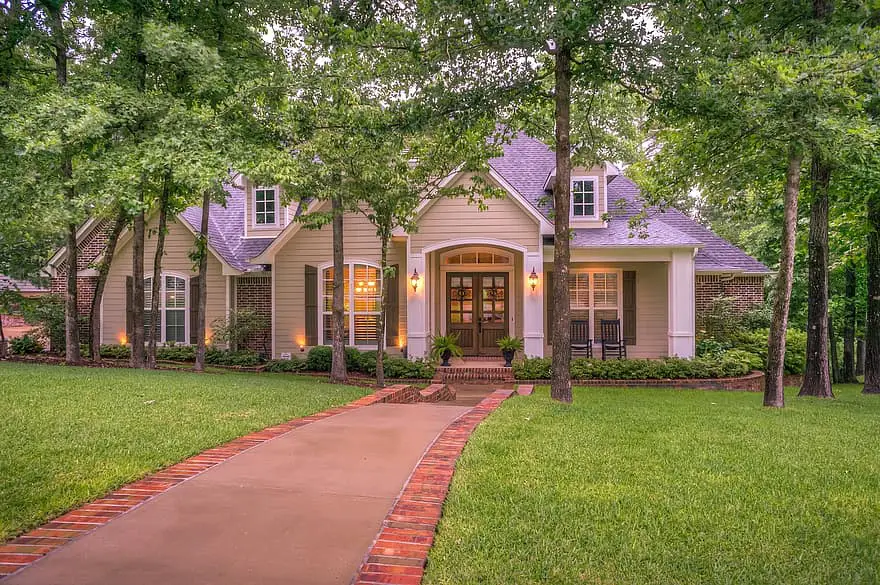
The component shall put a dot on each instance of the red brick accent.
(746, 291)
(753, 382)
(254, 293)
(85, 288)
(400, 551)
(449, 374)
(525, 389)
(436, 393)
(31, 546)
(398, 394)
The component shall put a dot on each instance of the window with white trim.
(595, 295)
(583, 198)
(363, 300)
(264, 206)
(173, 308)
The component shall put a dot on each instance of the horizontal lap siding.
(453, 218)
(652, 308)
(315, 247)
(179, 243)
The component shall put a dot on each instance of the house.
(481, 274)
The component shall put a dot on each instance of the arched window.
(173, 308)
(363, 300)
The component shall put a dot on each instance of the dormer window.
(265, 207)
(583, 198)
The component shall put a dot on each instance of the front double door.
(476, 310)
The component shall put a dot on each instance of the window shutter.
(392, 318)
(548, 301)
(629, 307)
(311, 305)
(194, 310)
(129, 296)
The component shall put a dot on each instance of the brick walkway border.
(400, 551)
(32, 546)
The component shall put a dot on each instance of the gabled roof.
(22, 286)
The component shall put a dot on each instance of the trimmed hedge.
(728, 365)
(320, 359)
(291, 365)
(187, 353)
(755, 343)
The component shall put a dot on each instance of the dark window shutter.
(392, 318)
(629, 307)
(194, 310)
(311, 285)
(548, 301)
(129, 296)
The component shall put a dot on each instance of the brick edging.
(751, 382)
(30, 547)
(400, 551)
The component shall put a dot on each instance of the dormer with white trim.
(264, 215)
(589, 195)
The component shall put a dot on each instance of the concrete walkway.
(300, 509)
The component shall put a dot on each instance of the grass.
(69, 435)
(651, 486)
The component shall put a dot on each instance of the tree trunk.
(560, 382)
(337, 370)
(103, 271)
(860, 357)
(832, 351)
(817, 377)
(201, 342)
(380, 345)
(872, 323)
(137, 275)
(156, 291)
(848, 373)
(774, 394)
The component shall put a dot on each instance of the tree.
(103, 268)
(872, 326)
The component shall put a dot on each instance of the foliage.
(795, 348)
(115, 352)
(291, 365)
(720, 319)
(47, 313)
(239, 326)
(225, 357)
(510, 343)
(404, 369)
(25, 344)
(442, 344)
(725, 365)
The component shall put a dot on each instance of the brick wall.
(745, 292)
(254, 293)
(85, 287)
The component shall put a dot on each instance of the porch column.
(533, 305)
(416, 308)
(682, 326)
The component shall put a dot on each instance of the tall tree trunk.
(872, 323)
(817, 377)
(338, 372)
(201, 341)
(156, 289)
(103, 271)
(848, 373)
(560, 382)
(860, 357)
(71, 310)
(137, 276)
(774, 394)
(832, 351)
(383, 315)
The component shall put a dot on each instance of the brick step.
(474, 374)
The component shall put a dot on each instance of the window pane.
(175, 325)
(484, 258)
(367, 294)
(264, 206)
(148, 292)
(365, 329)
(175, 292)
(328, 329)
(605, 285)
(579, 290)
(328, 289)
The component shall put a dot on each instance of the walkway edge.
(400, 551)
(32, 546)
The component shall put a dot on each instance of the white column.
(416, 308)
(682, 325)
(533, 305)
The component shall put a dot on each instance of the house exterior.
(481, 274)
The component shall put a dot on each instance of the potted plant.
(509, 346)
(444, 347)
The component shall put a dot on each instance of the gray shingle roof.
(526, 164)
(226, 231)
(22, 286)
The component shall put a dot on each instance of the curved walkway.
(300, 508)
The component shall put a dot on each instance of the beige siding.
(652, 324)
(178, 245)
(315, 247)
(450, 219)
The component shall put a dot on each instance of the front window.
(594, 296)
(172, 308)
(264, 206)
(583, 198)
(363, 299)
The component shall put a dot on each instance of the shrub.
(367, 362)
(239, 327)
(47, 313)
(291, 365)
(25, 344)
(116, 352)
(242, 358)
(532, 369)
(320, 359)
(711, 346)
(176, 353)
(755, 342)
(398, 367)
(729, 364)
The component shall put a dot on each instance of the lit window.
(362, 291)
(172, 308)
(264, 206)
(583, 198)
(597, 302)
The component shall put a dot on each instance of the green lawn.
(646, 486)
(69, 435)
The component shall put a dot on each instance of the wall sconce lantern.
(414, 279)
(533, 279)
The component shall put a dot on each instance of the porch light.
(533, 279)
(414, 279)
